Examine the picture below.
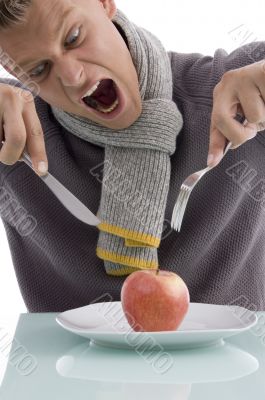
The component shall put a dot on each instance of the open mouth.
(103, 98)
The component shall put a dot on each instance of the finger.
(2, 135)
(260, 126)
(35, 140)
(224, 120)
(240, 109)
(260, 85)
(216, 147)
(257, 127)
(253, 105)
(15, 136)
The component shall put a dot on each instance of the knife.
(78, 209)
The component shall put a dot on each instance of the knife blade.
(75, 206)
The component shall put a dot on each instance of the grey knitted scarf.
(136, 171)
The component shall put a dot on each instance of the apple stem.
(157, 271)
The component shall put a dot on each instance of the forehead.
(44, 21)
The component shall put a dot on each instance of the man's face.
(69, 54)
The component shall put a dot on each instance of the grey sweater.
(220, 251)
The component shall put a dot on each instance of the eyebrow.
(59, 28)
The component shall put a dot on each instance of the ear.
(110, 7)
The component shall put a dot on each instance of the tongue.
(105, 93)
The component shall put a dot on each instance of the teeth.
(108, 110)
(97, 106)
(92, 90)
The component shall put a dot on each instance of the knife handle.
(26, 158)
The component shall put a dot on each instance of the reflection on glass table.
(46, 361)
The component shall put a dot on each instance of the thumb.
(216, 147)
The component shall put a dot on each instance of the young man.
(74, 49)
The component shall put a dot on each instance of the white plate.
(204, 325)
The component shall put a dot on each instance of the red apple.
(154, 300)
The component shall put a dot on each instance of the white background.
(183, 26)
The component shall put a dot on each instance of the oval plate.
(204, 325)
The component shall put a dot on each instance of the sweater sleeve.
(196, 75)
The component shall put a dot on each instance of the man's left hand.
(240, 91)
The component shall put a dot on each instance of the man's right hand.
(20, 128)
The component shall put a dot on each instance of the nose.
(69, 71)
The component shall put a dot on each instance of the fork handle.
(228, 147)
(230, 144)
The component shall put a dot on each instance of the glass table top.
(40, 360)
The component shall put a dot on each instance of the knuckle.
(217, 119)
(6, 90)
(35, 131)
(17, 141)
(24, 97)
(227, 76)
(11, 96)
(27, 96)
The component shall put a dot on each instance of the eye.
(35, 73)
(38, 71)
(74, 36)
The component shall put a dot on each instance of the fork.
(184, 194)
